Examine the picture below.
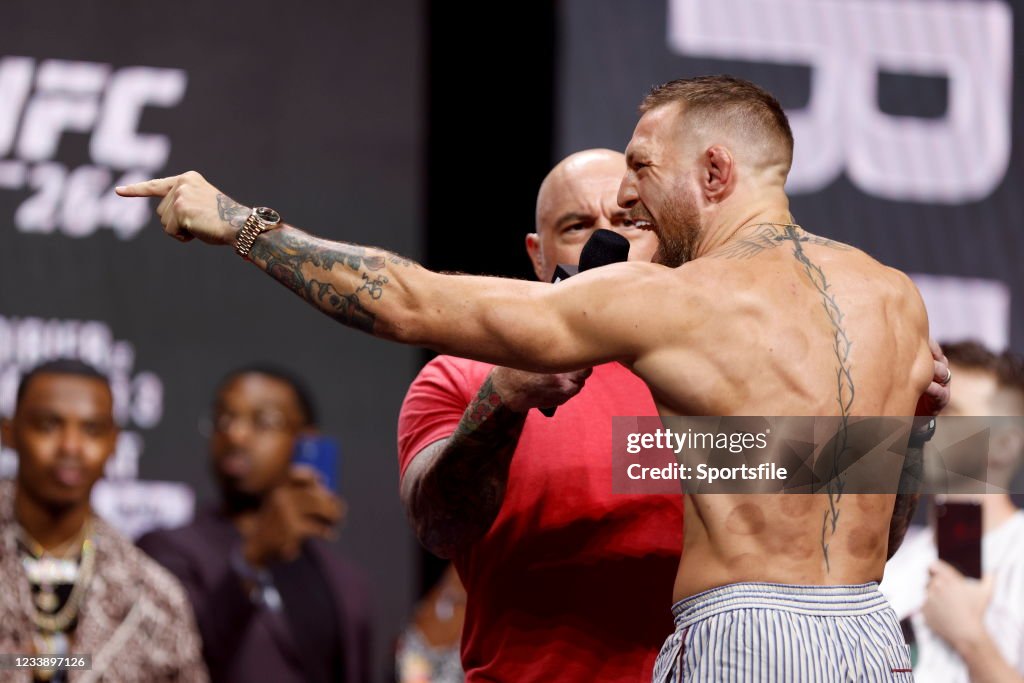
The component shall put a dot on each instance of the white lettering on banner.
(138, 396)
(959, 158)
(82, 98)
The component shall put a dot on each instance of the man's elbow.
(424, 517)
(430, 533)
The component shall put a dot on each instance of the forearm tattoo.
(462, 490)
(305, 265)
(231, 212)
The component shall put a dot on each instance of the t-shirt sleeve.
(434, 404)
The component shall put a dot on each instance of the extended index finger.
(157, 187)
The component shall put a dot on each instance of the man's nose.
(71, 441)
(238, 432)
(627, 197)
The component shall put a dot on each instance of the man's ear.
(536, 252)
(719, 173)
(115, 431)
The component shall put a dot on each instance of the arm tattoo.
(303, 264)
(460, 492)
(841, 345)
(231, 212)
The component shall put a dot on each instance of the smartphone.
(958, 535)
(321, 454)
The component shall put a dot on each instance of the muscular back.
(787, 323)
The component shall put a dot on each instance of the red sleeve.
(435, 403)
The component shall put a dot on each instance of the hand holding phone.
(322, 455)
(958, 533)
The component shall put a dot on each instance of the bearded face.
(678, 231)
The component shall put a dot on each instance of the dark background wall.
(490, 121)
(314, 109)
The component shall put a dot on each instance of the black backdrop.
(312, 108)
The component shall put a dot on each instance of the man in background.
(964, 629)
(273, 600)
(523, 503)
(69, 583)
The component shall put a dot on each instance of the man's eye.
(94, 429)
(47, 424)
(576, 226)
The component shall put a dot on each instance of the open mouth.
(644, 224)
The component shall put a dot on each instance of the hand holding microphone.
(604, 247)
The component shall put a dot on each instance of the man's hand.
(298, 509)
(954, 606)
(192, 207)
(936, 396)
(454, 488)
(520, 390)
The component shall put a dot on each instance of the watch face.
(268, 215)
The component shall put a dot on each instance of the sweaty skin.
(763, 318)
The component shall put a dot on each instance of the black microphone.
(603, 247)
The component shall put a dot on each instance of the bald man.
(523, 504)
(745, 313)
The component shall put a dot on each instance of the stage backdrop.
(902, 110)
(312, 109)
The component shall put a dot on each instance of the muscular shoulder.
(639, 286)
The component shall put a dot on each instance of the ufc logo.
(959, 158)
(41, 103)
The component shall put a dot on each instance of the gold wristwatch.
(259, 221)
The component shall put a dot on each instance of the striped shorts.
(768, 632)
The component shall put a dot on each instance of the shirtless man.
(748, 315)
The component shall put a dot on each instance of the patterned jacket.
(135, 620)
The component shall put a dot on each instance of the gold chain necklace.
(59, 622)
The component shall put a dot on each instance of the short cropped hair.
(59, 366)
(751, 107)
(306, 403)
(1010, 370)
(971, 354)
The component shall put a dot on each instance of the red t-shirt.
(572, 582)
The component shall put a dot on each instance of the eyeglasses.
(260, 422)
